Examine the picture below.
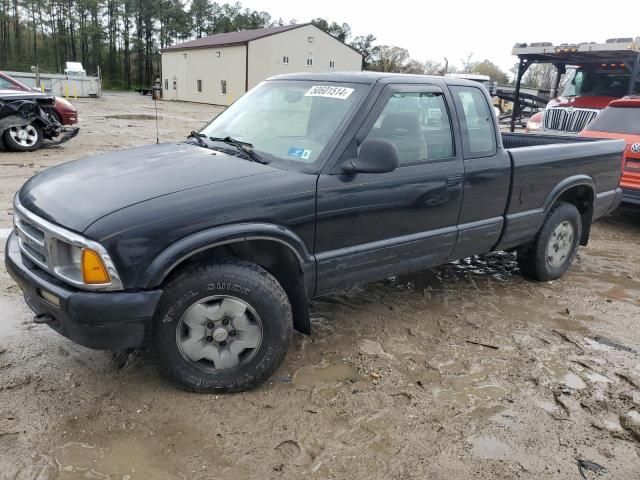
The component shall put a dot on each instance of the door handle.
(454, 183)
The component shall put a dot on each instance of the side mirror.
(377, 155)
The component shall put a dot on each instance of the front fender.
(181, 250)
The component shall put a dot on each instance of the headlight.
(72, 258)
(79, 264)
(533, 125)
(535, 122)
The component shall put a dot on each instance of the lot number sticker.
(341, 93)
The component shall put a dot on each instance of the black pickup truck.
(208, 250)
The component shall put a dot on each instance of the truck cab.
(588, 77)
(587, 91)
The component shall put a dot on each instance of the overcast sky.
(456, 28)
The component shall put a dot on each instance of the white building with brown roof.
(220, 68)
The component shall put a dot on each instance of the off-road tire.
(11, 144)
(244, 281)
(532, 257)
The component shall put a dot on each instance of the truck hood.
(76, 194)
(595, 102)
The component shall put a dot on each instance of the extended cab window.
(476, 121)
(417, 123)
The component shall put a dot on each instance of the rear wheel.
(24, 138)
(555, 246)
(223, 327)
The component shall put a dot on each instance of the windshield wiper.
(244, 147)
(199, 138)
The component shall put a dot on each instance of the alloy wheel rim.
(219, 333)
(560, 244)
(25, 136)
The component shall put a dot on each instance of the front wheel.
(555, 246)
(24, 138)
(223, 327)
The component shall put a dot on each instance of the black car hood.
(76, 194)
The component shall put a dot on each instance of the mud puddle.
(133, 116)
(121, 459)
(317, 375)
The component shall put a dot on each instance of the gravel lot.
(464, 371)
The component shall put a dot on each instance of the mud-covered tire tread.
(206, 272)
(531, 257)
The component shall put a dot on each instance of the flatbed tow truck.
(600, 73)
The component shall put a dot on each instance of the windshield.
(623, 120)
(288, 121)
(595, 82)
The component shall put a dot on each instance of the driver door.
(374, 225)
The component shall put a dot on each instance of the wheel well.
(274, 257)
(582, 197)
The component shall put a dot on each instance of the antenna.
(155, 103)
(156, 90)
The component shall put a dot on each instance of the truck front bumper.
(100, 320)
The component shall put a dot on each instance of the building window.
(310, 39)
(285, 60)
(166, 84)
(223, 87)
(332, 64)
(199, 86)
(309, 62)
(218, 54)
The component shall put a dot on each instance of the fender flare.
(562, 187)
(198, 242)
(566, 184)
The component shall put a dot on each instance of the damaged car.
(28, 121)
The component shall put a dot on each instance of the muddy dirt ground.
(464, 371)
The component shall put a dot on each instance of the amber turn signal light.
(93, 270)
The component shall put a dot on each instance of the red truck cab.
(588, 76)
(63, 110)
(621, 120)
(589, 90)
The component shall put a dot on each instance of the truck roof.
(369, 78)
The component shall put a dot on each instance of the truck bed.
(519, 140)
(538, 161)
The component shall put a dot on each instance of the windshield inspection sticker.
(331, 92)
(297, 152)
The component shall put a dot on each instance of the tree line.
(124, 37)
